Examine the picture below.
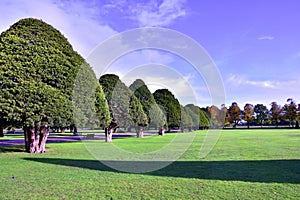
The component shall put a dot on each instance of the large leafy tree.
(248, 114)
(156, 117)
(37, 76)
(125, 108)
(261, 112)
(170, 104)
(234, 113)
(290, 111)
(275, 113)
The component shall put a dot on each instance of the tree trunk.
(139, 132)
(161, 131)
(109, 131)
(35, 139)
(44, 132)
(297, 125)
(1, 132)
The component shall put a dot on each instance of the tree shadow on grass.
(15, 148)
(264, 171)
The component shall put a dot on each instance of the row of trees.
(258, 114)
(44, 83)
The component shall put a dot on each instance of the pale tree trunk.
(44, 132)
(109, 131)
(108, 134)
(161, 131)
(139, 132)
(35, 139)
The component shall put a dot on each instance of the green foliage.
(171, 106)
(199, 116)
(90, 105)
(38, 70)
(261, 112)
(102, 108)
(186, 118)
(154, 114)
(124, 107)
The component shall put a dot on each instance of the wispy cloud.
(240, 80)
(149, 13)
(267, 37)
(162, 14)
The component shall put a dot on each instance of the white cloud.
(240, 80)
(76, 20)
(160, 15)
(149, 13)
(267, 37)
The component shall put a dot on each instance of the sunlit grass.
(244, 164)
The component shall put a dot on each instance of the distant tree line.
(256, 115)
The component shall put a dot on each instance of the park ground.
(244, 164)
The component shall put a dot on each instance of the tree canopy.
(38, 73)
(156, 117)
(126, 110)
(171, 106)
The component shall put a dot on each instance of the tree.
(102, 108)
(170, 104)
(248, 114)
(199, 117)
(38, 72)
(275, 113)
(90, 105)
(234, 113)
(186, 119)
(261, 112)
(155, 115)
(217, 116)
(290, 111)
(124, 107)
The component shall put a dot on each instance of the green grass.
(244, 164)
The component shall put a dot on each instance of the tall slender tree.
(290, 111)
(275, 113)
(234, 114)
(248, 114)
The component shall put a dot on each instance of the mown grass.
(244, 164)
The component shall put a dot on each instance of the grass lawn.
(244, 164)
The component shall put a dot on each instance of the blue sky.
(254, 43)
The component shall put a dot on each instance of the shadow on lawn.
(266, 171)
(16, 148)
